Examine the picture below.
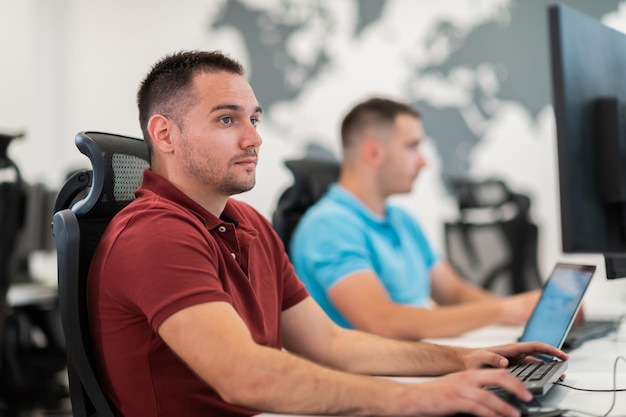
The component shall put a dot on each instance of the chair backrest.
(494, 242)
(311, 179)
(11, 220)
(79, 221)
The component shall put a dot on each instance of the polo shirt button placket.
(222, 229)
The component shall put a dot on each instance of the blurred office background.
(478, 70)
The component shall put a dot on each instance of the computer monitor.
(589, 95)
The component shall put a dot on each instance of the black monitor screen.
(589, 96)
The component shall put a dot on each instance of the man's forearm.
(416, 323)
(278, 381)
(370, 354)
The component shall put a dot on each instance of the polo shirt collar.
(346, 198)
(159, 185)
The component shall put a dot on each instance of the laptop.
(582, 332)
(550, 322)
(548, 327)
(558, 305)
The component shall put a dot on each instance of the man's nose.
(421, 160)
(251, 137)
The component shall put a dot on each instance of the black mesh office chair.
(311, 179)
(28, 370)
(11, 220)
(85, 204)
(494, 242)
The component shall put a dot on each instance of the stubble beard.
(231, 185)
(208, 172)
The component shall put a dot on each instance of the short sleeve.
(330, 248)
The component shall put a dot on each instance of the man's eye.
(413, 145)
(255, 121)
(226, 120)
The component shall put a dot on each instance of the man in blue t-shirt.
(367, 262)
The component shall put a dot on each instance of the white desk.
(590, 366)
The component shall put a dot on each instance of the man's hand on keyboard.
(505, 355)
(464, 392)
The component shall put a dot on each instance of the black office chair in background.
(85, 204)
(32, 347)
(11, 220)
(494, 242)
(311, 178)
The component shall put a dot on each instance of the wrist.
(464, 356)
(499, 310)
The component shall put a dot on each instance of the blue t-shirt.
(339, 236)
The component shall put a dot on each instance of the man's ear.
(161, 130)
(371, 151)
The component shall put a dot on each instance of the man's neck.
(366, 192)
(211, 202)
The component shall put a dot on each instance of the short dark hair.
(373, 112)
(166, 88)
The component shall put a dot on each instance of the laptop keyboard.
(539, 376)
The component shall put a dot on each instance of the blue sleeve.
(326, 248)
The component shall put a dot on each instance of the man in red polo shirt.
(195, 307)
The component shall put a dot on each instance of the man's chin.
(240, 188)
(404, 190)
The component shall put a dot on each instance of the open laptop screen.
(560, 299)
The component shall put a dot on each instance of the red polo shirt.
(164, 253)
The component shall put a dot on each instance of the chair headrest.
(118, 163)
